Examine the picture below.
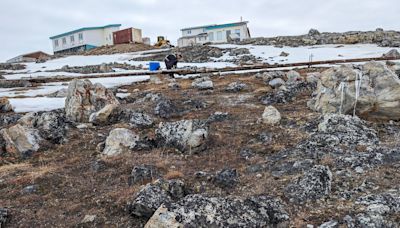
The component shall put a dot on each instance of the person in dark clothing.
(171, 62)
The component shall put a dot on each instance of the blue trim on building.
(84, 29)
(225, 26)
(215, 26)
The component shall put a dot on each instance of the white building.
(84, 38)
(214, 34)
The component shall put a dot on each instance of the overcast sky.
(26, 25)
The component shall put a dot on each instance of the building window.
(219, 35)
(189, 32)
(56, 43)
(211, 36)
(237, 32)
(80, 36)
(64, 41)
(72, 38)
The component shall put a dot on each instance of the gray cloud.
(26, 24)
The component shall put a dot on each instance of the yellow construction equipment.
(162, 42)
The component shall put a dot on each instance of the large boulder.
(120, 140)
(315, 184)
(293, 76)
(5, 105)
(84, 98)
(21, 141)
(372, 93)
(185, 135)
(203, 211)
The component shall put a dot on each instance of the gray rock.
(392, 54)
(119, 141)
(21, 141)
(142, 174)
(313, 185)
(277, 82)
(226, 178)
(271, 116)
(84, 98)
(165, 109)
(202, 211)
(203, 83)
(185, 135)
(152, 196)
(5, 105)
(235, 87)
(218, 117)
(288, 94)
(4, 217)
(330, 224)
(30, 189)
(139, 119)
(293, 76)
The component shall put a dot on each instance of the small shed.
(127, 36)
(30, 57)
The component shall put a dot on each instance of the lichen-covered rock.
(373, 92)
(185, 135)
(235, 87)
(226, 178)
(288, 94)
(202, 211)
(5, 105)
(152, 196)
(165, 108)
(314, 185)
(51, 125)
(21, 141)
(84, 98)
(271, 116)
(143, 173)
(203, 83)
(120, 140)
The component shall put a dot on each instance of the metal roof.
(215, 26)
(84, 29)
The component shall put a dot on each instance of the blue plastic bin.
(154, 66)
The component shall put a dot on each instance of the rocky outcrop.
(152, 196)
(372, 92)
(271, 116)
(313, 185)
(120, 140)
(202, 211)
(203, 83)
(276, 82)
(185, 135)
(84, 98)
(5, 105)
(314, 37)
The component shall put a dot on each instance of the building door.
(228, 35)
